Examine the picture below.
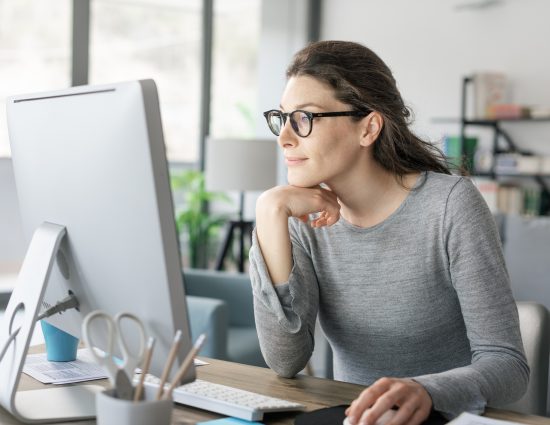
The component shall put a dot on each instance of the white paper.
(82, 369)
(469, 419)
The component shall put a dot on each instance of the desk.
(314, 393)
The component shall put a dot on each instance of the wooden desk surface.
(314, 393)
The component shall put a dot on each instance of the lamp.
(239, 165)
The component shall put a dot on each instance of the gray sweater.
(425, 294)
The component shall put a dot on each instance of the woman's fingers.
(384, 403)
(366, 399)
(301, 202)
(405, 414)
(325, 203)
(329, 208)
(417, 418)
(408, 414)
(333, 219)
(413, 402)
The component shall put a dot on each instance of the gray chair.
(237, 338)
(209, 316)
(533, 322)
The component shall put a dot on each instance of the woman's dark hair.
(362, 80)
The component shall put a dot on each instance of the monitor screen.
(92, 159)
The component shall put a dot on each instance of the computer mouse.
(381, 420)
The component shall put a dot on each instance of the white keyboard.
(227, 401)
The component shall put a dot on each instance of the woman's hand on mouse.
(301, 201)
(412, 400)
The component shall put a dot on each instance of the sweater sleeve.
(285, 313)
(498, 373)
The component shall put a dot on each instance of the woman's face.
(332, 150)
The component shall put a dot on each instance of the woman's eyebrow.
(304, 105)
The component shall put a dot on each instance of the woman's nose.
(287, 136)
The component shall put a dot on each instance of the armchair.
(209, 316)
(220, 303)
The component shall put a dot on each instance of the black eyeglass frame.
(310, 115)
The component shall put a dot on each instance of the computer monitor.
(92, 159)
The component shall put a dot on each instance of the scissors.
(120, 374)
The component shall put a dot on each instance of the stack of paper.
(82, 369)
(469, 419)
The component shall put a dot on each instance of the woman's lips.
(293, 160)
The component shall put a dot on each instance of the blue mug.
(60, 346)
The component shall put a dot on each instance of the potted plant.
(193, 219)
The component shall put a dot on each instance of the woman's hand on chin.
(299, 202)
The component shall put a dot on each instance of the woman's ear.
(371, 127)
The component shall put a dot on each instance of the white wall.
(430, 45)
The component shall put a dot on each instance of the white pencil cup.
(114, 411)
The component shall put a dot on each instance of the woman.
(401, 260)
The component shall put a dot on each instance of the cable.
(65, 304)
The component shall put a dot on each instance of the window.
(159, 39)
(234, 68)
(134, 39)
(35, 51)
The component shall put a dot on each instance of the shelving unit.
(511, 147)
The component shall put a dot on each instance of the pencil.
(145, 368)
(185, 365)
(169, 362)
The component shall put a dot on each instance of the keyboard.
(227, 401)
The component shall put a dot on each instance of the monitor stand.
(49, 404)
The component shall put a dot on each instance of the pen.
(169, 361)
(185, 365)
(145, 368)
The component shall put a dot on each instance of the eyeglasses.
(302, 121)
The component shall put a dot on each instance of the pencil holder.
(60, 346)
(115, 411)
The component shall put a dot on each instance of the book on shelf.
(515, 163)
(511, 111)
(489, 88)
(541, 112)
(503, 111)
(460, 153)
(489, 191)
(510, 198)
